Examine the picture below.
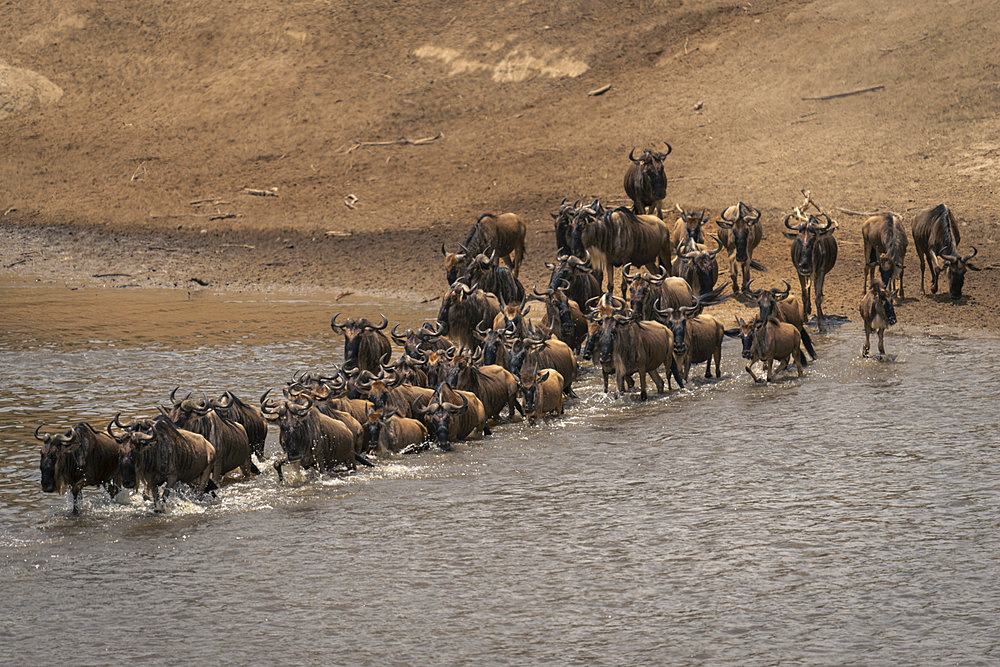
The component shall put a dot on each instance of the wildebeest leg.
(676, 372)
(768, 363)
(881, 346)
(159, 501)
(920, 256)
(642, 386)
(277, 467)
(867, 268)
(605, 374)
(749, 369)
(657, 380)
(932, 264)
(818, 289)
(868, 333)
(799, 359)
(718, 360)
(900, 282)
(77, 488)
(804, 288)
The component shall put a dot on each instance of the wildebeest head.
(557, 306)
(494, 343)
(702, 262)
(740, 227)
(354, 331)
(676, 320)
(296, 432)
(767, 298)
(414, 341)
(562, 221)
(805, 235)
(747, 332)
(438, 414)
(566, 268)
(957, 267)
(54, 457)
(583, 221)
(648, 176)
(693, 224)
(528, 383)
(137, 436)
(642, 287)
(455, 263)
(883, 302)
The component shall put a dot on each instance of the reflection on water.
(846, 517)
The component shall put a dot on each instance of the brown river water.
(848, 517)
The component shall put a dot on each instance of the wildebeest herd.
(498, 352)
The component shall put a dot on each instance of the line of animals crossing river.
(498, 352)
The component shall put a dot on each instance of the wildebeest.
(884, 240)
(740, 233)
(485, 274)
(494, 385)
(391, 432)
(542, 391)
(563, 316)
(501, 233)
(364, 343)
(814, 253)
(425, 337)
(785, 308)
(627, 346)
(453, 415)
(936, 236)
(562, 222)
(646, 290)
(494, 346)
(618, 237)
(769, 340)
(512, 319)
(249, 416)
(80, 457)
(878, 314)
(688, 228)
(461, 310)
(155, 452)
(232, 446)
(582, 286)
(387, 390)
(697, 265)
(645, 183)
(697, 337)
(547, 353)
(309, 437)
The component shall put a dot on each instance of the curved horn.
(172, 394)
(339, 328)
(626, 275)
(451, 407)
(713, 253)
(36, 433)
(631, 156)
(385, 323)
(669, 149)
(548, 291)
(399, 340)
(788, 217)
(966, 258)
(755, 293)
(781, 295)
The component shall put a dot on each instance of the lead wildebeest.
(542, 391)
(687, 228)
(935, 236)
(740, 233)
(778, 303)
(453, 415)
(697, 338)
(364, 343)
(878, 314)
(154, 452)
(766, 341)
(618, 237)
(80, 457)
(884, 240)
(645, 183)
(462, 309)
(501, 233)
(309, 437)
(814, 253)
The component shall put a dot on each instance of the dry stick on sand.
(398, 142)
(859, 91)
(261, 193)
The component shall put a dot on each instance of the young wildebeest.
(779, 305)
(687, 228)
(769, 340)
(698, 265)
(878, 314)
(390, 432)
(542, 391)
(645, 183)
(81, 457)
(936, 237)
(885, 243)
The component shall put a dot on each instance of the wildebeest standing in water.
(884, 240)
(462, 309)
(232, 408)
(814, 253)
(80, 457)
(935, 236)
(365, 346)
(878, 314)
(232, 446)
(645, 183)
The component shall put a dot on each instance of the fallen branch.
(398, 142)
(848, 211)
(599, 91)
(10, 210)
(342, 295)
(201, 282)
(135, 174)
(222, 216)
(112, 275)
(847, 94)
(273, 192)
(237, 245)
(13, 264)
(214, 201)
(334, 232)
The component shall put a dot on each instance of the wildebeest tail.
(714, 296)
(254, 470)
(363, 461)
(757, 266)
(808, 344)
